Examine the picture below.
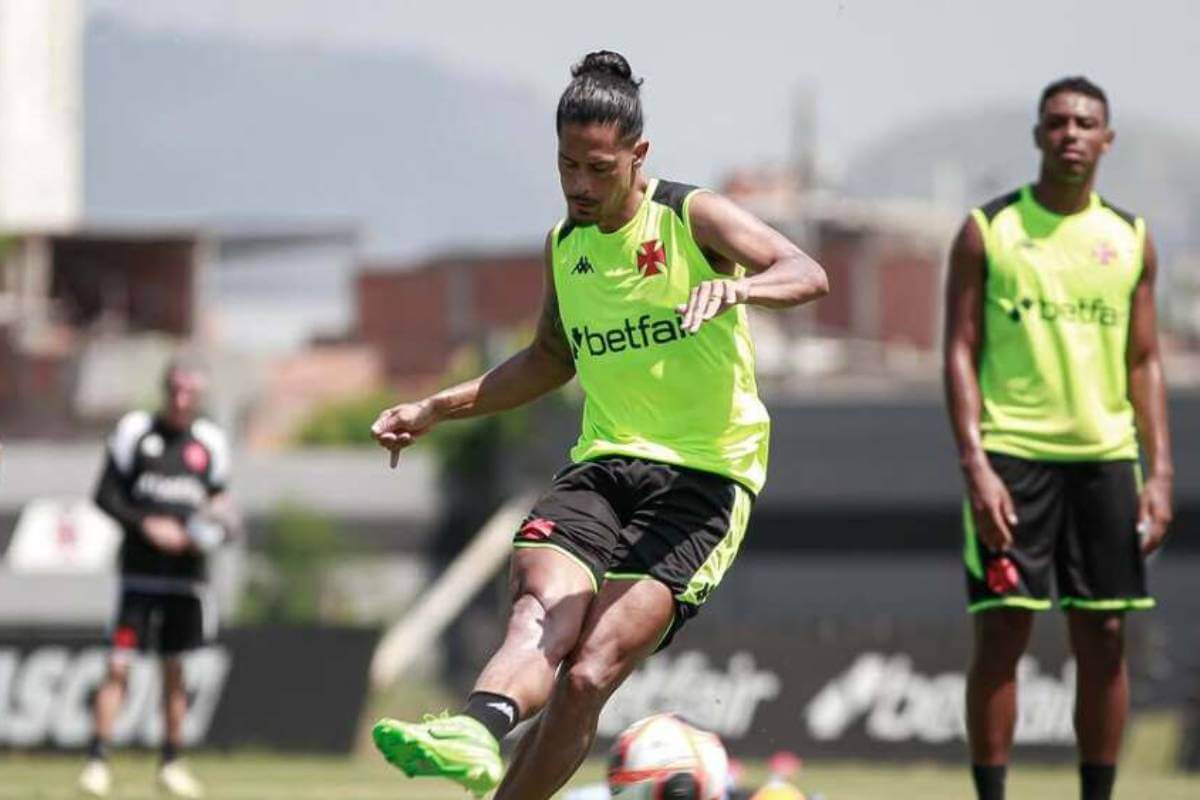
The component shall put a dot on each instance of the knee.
(999, 644)
(1100, 640)
(591, 679)
(995, 664)
(172, 672)
(118, 673)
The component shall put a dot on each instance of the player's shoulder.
(675, 195)
(1120, 214)
(134, 423)
(997, 205)
(561, 230)
(214, 440)
(128, 433)
(209, 434)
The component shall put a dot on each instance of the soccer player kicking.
(1052, 374)
(645, 294)
(164, 482)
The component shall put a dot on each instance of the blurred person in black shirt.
(164, 483)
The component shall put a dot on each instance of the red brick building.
(885, 266)
(416, 317)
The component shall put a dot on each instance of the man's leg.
(551, 597)
(183, 629)
(1101, 697)
(175, 705)
(1001, 636)
(174, 776)
(96, 780)
(129, 632)
(624, 625)
(107, 705)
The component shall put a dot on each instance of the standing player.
(1052, 374)
(163, 482)
(645, 294)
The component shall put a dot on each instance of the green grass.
(1145, 774)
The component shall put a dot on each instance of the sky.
(720, 81)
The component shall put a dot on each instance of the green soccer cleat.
(458, 748)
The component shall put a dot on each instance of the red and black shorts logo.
(125, 638)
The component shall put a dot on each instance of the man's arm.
(112, 496)
(541, 367)
(214, 524)
(990, 500)
(1148, 394)
(781, 275)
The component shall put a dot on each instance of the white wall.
(41, 105)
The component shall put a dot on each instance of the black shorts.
(627, 519)
(168, 624)
(1076, 528)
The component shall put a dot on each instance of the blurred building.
(417, 316)
(885, 260)
(92, 304)
(57, 289)
(88, 315)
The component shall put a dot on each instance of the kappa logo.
(583, 267)
(505, 709)
(651, 258)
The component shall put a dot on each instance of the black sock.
(989, 781)
(497, 713)
(1096, 781)
(169, 752)
(97, 749)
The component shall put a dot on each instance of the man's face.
(1072, 134)
(596, 170)
(184, 393)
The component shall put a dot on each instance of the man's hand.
(399, 426)
(992, 507)
(166, 533)
(708, 299)
(1154, 513)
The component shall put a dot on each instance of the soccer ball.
(664, 758)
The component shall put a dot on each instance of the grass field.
(261, 777)
(1145, 775)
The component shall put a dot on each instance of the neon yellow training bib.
(1058, 297)
(651, 390)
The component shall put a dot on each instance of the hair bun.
(605, 62)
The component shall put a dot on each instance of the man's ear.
(639, 152)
